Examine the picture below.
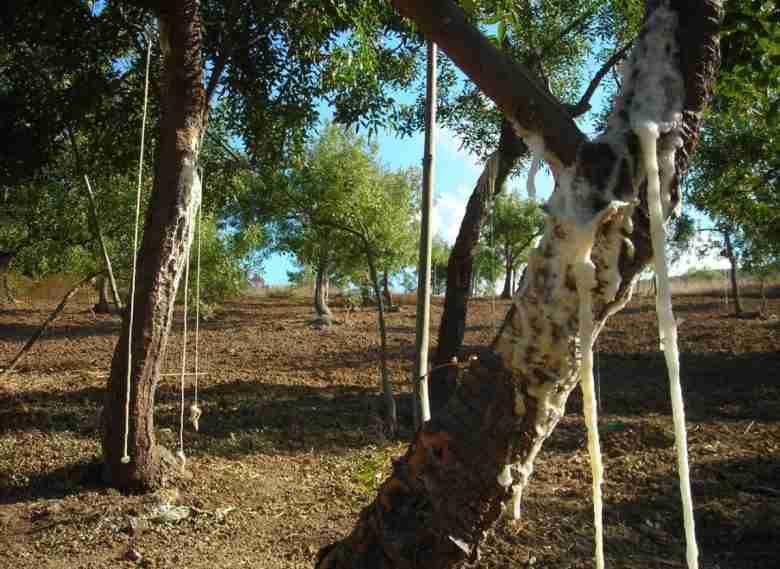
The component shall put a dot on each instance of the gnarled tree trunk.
(166, 242)
(450, 486)
(461, 264)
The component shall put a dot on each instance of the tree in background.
(735, 177)
(515, 225)
(342, 209)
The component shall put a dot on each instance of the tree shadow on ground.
(721, 387)
(51, 412)
(736, 515)
(253, 417)
(239, 418)
(101, 327)
(53, 485)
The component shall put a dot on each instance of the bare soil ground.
(290, 447)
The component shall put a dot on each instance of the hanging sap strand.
(585, 274)
(648, 133)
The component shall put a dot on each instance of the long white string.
(197, 292)
(184, 357)
(126, 456)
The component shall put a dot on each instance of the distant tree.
(440, 254)
(343, 205)
(515, 225)
(735, 176)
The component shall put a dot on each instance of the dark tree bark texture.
(167, 238)
(452, 326)
(446, 490)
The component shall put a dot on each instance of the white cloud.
(448, 211)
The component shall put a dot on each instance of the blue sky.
(455, 174)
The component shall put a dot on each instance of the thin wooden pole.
(422, 412)
(106, 258)
(52, 317)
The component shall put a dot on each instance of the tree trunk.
(102, 306)
(390, 417)
(167, 237)
(507, 292)
(450, 486)
(6, 295)
(733, 274)
(461, 263)
(324, 315)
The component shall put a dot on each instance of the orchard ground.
(290, 446)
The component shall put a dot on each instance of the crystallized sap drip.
(648, 133)
(585, 273)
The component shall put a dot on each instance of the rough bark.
(102, 306)
(452, 326)
(169, 228)
(446, 491)
(732, 257)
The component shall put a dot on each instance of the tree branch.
(514, 88)
(583, 106)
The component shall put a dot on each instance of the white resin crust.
(573, 278)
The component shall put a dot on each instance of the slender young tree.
(452, 483)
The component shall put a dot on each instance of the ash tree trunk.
(324, 315)
(446, 491)
(732, 257)
(167, 237)
(388, 296)
(452, 326)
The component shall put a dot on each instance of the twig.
(452, 363)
